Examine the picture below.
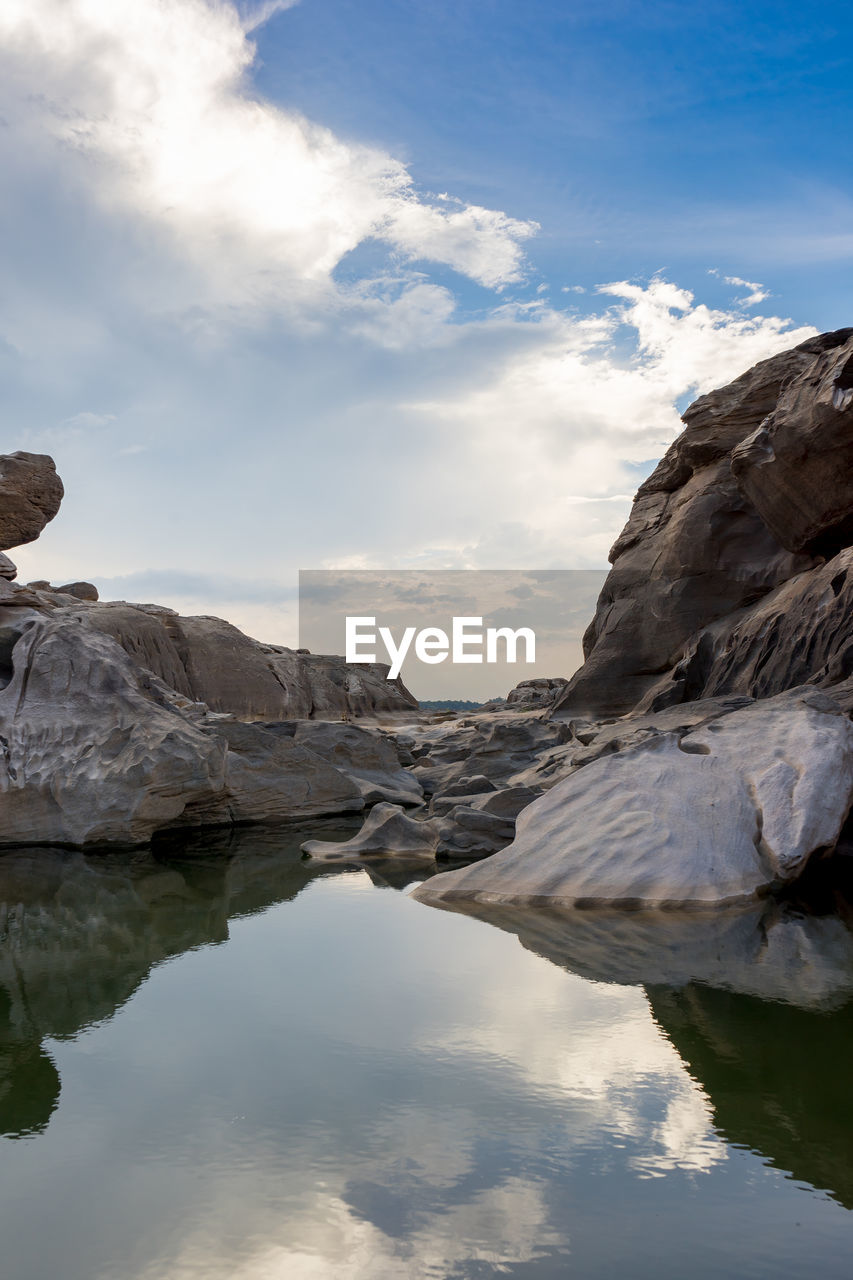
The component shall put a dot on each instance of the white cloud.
(183, 222)
(152, 103)
(757, 292)
(562, 424)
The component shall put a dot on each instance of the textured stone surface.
(800, 633)
(702, 819)
(796, 468)
(8, 569)
(30, 496)
(212, 661)
(389, 832)
(369, 758)
(702, 542)
(86, 755)
(97, 751)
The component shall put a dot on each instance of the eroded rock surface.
(710, 817)
(742, 502)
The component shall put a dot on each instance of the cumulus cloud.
(181, 224)
(154, 103)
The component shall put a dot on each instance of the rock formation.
(708, 818)
(119, 720)
(731, 582)
(30, 496)
(757, 490)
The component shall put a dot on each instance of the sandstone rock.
(498, 746)
(536, 693)
(30, 496)
(506, 803)
(269, 778)
(796, 468)
(466, 832)
(8, 570)
(389, 832)
(87, 757)
(714, 816)
(800, 633)
(697, 546)
(82, 590)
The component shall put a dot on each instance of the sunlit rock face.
(714, 816)
(755, 491)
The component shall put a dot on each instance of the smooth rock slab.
(703, 819)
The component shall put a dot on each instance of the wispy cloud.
(756, 293)
(154, 104)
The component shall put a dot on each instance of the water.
(223, 1063)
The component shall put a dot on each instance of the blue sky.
(641, 136)
(384, 285)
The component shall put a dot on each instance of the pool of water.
(222, 1062)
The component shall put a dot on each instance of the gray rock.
(30, 496)
(711, 817)
(506, 803)
(388, 831)
(369, 758)
(8, 570)
(96, 750)
(800, 633)
(540, 692)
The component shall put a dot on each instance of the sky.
(377, 285)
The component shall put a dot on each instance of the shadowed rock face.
(30, 496)
(757, 489)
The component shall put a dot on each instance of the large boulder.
(30, 496)
(714, 816)
(713, 528)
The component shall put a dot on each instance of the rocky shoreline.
(701, 757)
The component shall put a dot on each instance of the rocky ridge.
(702, 756)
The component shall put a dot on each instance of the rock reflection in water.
(757, 1002)
(79, 933)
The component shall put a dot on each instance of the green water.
(220, 1062)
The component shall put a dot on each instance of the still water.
(222, 1063)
